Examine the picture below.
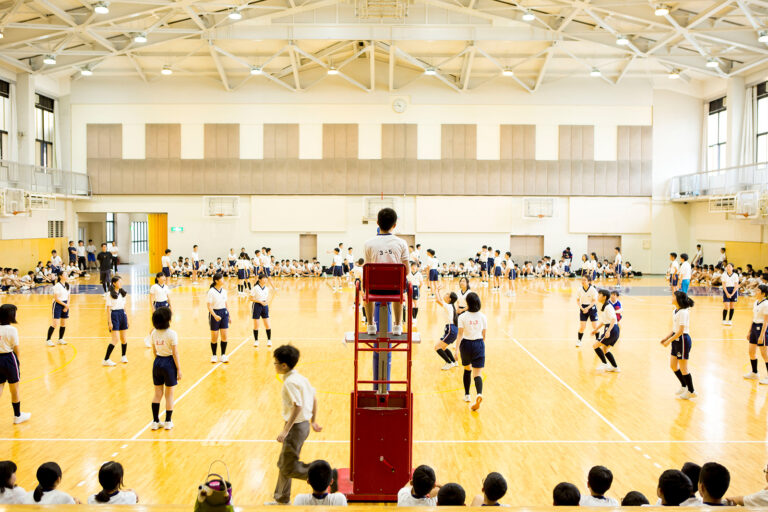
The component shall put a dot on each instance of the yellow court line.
(74, 354)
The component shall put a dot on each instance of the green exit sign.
(177, 229)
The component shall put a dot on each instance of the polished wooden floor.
(548, 416)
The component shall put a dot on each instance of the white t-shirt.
(588, 296)
(759, 310)
(349, 257)
(592, 501)
(721, 258)
(54, 497)
(386, 249)
(160, 293)
(115, 304)
(297, 391)
(335, 499)
(121, 498)
(60, 293)
(166, 261)
(729, 281)
(260, 294)
(266, 261)
(449, 311)
(56, 261)
(432, 263)
(462, 301)
(164, 341)
(91, 249)
(195, 256)
(674, 268)
(685, 271)
(473, 325)
(337, 260)
(81, 251)
(617, 260)
(217, 298)
(231, 256)
(759, 499)
(681, 318)
(357, 272)
(13, 496)
(415, 278)
(242, 264)
(606, 315)
(406, 499)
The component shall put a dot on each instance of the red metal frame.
(381, 424)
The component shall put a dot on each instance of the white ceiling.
(465, 43)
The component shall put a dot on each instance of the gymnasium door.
(307, 246)
(603, 246)
(526, 248)
(157, 236)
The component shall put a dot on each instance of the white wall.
(34, 225)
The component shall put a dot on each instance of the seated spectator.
(320, 476)
(10, 493)
(494, 488)
(599, 481)
(111, 480)
(451, 495)
(634, 499)
(756, 500)
(48, 478)
(566, 495)
(674, 488)
(713, 483)
(421, 491)
(692, 471)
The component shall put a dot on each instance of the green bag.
(215, 494)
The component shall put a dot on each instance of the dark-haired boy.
(421, 491)
(599, 481)
(566, 494)
(494, 488)
(320, 476)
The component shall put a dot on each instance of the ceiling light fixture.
(430, 71)
(762, 36)
(256, 70)
(49, 59)
(674, 74)
(166, 70)
(622, 40)
(528, 16)
(1, 35)
(712, 63)
(235, 14)
(595, 73)
(140, 38)
(333, 71)
(101, 8)
(507, 72)
(661, 10)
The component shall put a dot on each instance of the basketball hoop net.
(540, 216)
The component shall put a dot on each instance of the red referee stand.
(382, 418)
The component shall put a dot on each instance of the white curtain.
(13, 128)
(704, 161)
(56, 135)
(749, 129)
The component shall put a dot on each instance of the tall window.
(44, 131)
(110, 228)
(717, 129)
(5, 117)
(139, 239)
(762, 123)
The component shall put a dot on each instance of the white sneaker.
(454, 364)
(763, 381)
(62, 342)
(108, 362)
(194, 282)
(155, 425)
(147, 341)
(372, 329)
(50, 343)
(269, 343)
(578, 343)
(225, 358)
(602, 367)
(397, 330)
(751, 376)
(415, 321)
(614, 369)
(214, 359)
(467, 398)
(685, 395)
(729, 322)
(256, 344)
(124, 360)
(447, 366)
(680, 391)
(21, 418)
(168, 425)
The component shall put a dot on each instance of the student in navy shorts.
(261, 297)
(610, 332)
(9, 360)
(218, 317)
(117, 320)
(59, 309)
(166, 262)
(730, 280)
(680, 339)
(450, 333)
(757, 332)
(472, 326)
(586, 299)
(166, 370)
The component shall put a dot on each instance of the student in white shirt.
(56, 263)
(586, 298)
(320, 476)
(698, 258)
(261, 298)
(10, 493)
(730, 281)
(166, 369)
(756, 500)
(421, 491)
(433, 265)
(685, 273)
(111, 480)
(610, 335)
(242, 271)
(451, 318)
(218, 317)
(117, 321)
(159, 297)
(195, 263)
(599, 482)
(617, 265)
(91, 254)
(722, 259)
(757, 332)
(59, 310)
(48, 478)
(115, 255)
(338, 269)
(231, 258)
(81, 263)
(386, 248)
(471, 335)
(166, 263)
(680, 340)
(9, 360)
(415, 280)
(674, 271)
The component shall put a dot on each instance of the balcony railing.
(721, 182)
(43, 180)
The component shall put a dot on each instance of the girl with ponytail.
(607, 339)
(117, 320)
(756, 336)
(10, 493)
(218, 317)
(680, 340)
(48, 478)
(111, 480)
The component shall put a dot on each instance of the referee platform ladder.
(381, 418)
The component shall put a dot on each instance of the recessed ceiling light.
(166, 70)
(101, 8)
(1, 35)
(507, 72)
(712, 63)
(256, 70)
(140, 38)
(674, 74)
(430, 71)
(235, 14)
(86, 72)
(333, 71)
(622, 40)
(595, 72)
(762, 36)
(528, 16)
(49, 59)
(661, 10)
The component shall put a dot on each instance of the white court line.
(423, 441)
(569, 388)
(193, 386)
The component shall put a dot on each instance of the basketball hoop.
(219, 215)
(17, 212)
(540, 216)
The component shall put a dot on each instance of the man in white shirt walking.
(299, 413)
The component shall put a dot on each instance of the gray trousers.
(289, 464)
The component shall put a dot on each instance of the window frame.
(718, 109)
(139, 237)
(44, 147)
(110, 228)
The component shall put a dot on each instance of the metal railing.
(43, 180)
(720, 182)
